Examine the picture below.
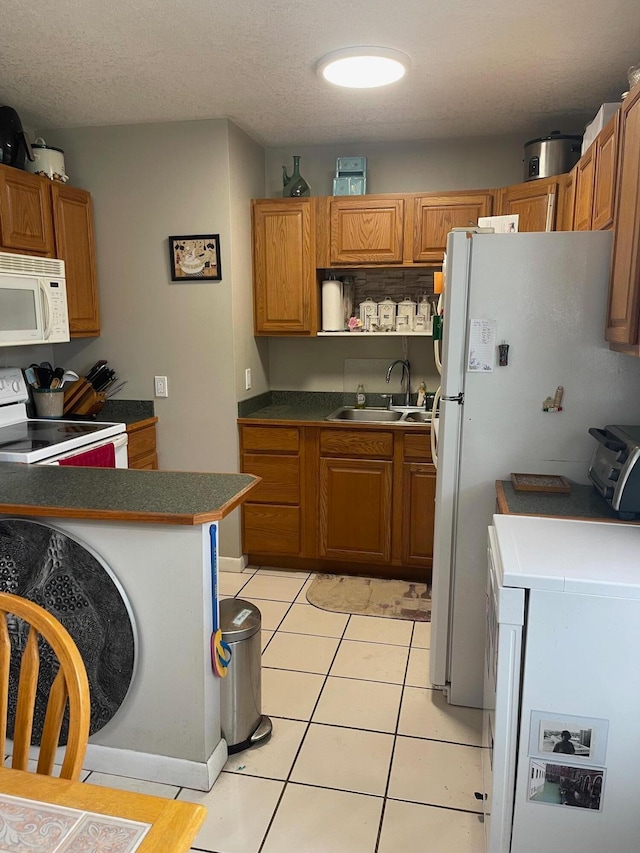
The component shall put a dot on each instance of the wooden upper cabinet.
(366, 230)
(25, 212)
(435, 216)
(564, 220)
(75, 245)
(285, 298)
(604, 184)
(585, 175)
(624, 289)
(535, 202)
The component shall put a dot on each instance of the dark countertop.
(121, 411)
(310, 406)
(582, 502)
(157, 497)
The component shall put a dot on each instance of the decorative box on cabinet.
(141, 448)
(284, 276)
(623, 312)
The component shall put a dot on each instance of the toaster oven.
(615, 468)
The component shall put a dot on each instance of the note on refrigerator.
(501, 224)
(482, 346)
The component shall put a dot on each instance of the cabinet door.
(25, 212)
(624, 289)
(435, 216)
(605, 176)
(355, 509)
(141, 449)
(418, 508)
(284, 267)
(585, 173)
(566, 213)
(534, 202)
(366, 231)
(75, 245)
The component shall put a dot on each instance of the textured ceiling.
(479, 67)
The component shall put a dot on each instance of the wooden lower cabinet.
(339, 499)
(141, 449)
(355, 509)
(418, 499)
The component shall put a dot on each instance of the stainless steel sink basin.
(368, 416)
(380, 416)
(418, 417)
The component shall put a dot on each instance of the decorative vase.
(294, 185)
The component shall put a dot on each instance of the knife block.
(81, 398)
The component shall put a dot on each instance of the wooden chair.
(70, 684)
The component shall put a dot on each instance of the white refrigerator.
(545, 296)
(561, 735)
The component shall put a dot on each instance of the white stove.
(46, 441)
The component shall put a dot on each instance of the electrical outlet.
(161, 387)
(247, 379)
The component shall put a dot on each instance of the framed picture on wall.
(195, 257)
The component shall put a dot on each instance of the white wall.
(149, 182)
(419, 165)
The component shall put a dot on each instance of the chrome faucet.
(405, 380)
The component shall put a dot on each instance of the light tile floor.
(364, 758)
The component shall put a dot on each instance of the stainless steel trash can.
(241, 719)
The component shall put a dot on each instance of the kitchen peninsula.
(150, 533)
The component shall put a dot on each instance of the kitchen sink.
(418, 417)
(367, 416)
(379, 416)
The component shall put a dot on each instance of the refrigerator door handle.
(434, 428)
(459, 398)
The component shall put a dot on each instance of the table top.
(120, 494)
(70, 814)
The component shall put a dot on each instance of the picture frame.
(565, 738)
(577, 787)
(195, 257)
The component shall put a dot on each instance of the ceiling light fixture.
(363, 67)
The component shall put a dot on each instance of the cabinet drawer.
(284, 439)
(142, 442)
(280, 478)
(417, 446)
(356, 443)
(271, 529)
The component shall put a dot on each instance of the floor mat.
(371, 597)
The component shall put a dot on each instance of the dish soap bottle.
(422, 395)
(361, 397)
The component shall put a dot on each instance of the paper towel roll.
(332, 307)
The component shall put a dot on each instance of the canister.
(407, 308)
(368, 308)
(387, 314)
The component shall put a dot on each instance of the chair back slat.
(27, 688)
(5, 663)
(52, 724)
(70, 684)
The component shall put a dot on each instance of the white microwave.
(33, 301)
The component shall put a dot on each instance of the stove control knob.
(15, 385)
(2, 384)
